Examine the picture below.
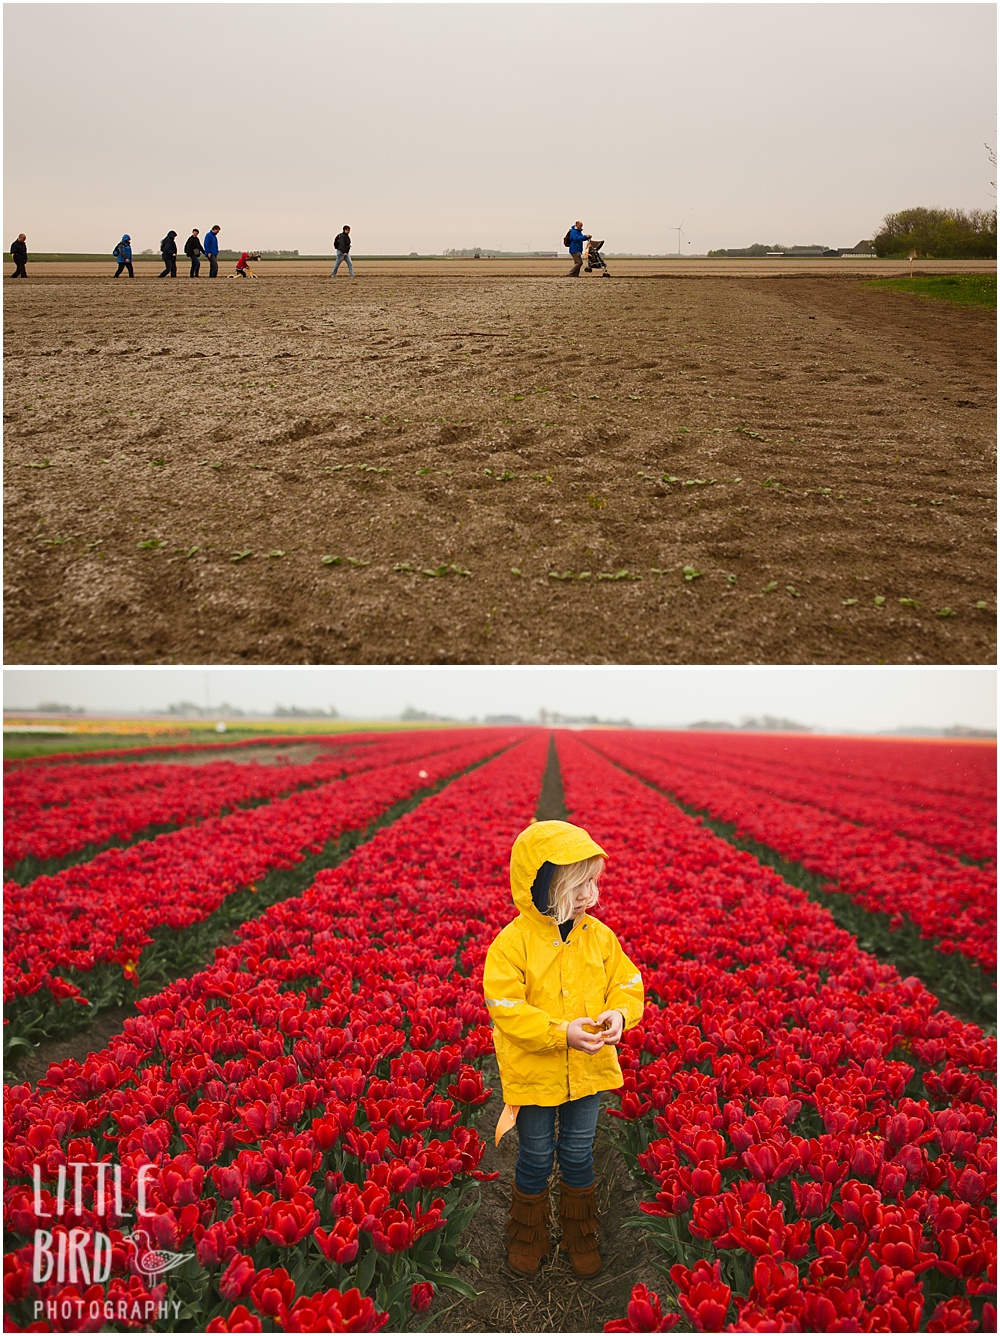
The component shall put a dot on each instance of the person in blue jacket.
(211, 245)
(575, 238)
(123, 254)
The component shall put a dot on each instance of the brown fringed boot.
(528, 1231)
(578, 1219)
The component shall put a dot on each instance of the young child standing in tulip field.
(560, 992)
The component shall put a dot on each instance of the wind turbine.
(679, 230)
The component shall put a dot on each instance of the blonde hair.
(564, 883)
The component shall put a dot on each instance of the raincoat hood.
(537, 852)
(126, 237)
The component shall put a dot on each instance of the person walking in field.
(560, 992)
(342, 245)
(19, 254)
(123, 254)
(575, 239)
(194, 250)
(168, 250)
(212, 251)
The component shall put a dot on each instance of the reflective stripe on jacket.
(535, 983)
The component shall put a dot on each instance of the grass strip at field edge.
(958, 289)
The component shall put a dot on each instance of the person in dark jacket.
(123, 254)
(342, 245)
(168, 249)
(194, 250)
(19, 254)
(212, 250)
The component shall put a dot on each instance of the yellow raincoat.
(535, 983)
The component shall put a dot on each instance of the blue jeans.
(574, 1147)
(341, 256)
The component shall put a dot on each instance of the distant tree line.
(755, 252)
(938, 234)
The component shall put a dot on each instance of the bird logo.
(153, 1261)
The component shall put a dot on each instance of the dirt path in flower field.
(751, 469)
(296, 753)
(554, 1299)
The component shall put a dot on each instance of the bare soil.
(763, 469)
(296, 753)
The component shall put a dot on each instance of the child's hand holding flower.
(615, 1022)
(579, 1035)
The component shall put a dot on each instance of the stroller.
(595, 260)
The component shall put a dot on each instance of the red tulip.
(468, 1088)
(811, 1199)
(238, 1320)
(702, 1294)
(273, 1291)
(290, 1221)
(421, 1297)
(340, 1244)
(238, 1278)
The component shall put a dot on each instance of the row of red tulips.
(957, 823)
(806, 770)
(948, 901)
(104, 910)
(817, 1138)
(952, 775)
(65, 808)
(297, 1118)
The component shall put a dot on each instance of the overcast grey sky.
(867, 699)
(441, 125)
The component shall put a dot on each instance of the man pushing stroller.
(576, 239)
(583, 247)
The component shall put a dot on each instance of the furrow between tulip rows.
(305, 1107)
(790, 768)
(952, 905)
(818, 1140)
(83, 932)
(68, 814)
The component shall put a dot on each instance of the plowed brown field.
(759, 468)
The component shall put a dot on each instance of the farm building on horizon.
(863, 250)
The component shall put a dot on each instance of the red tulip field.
(289, 1130)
